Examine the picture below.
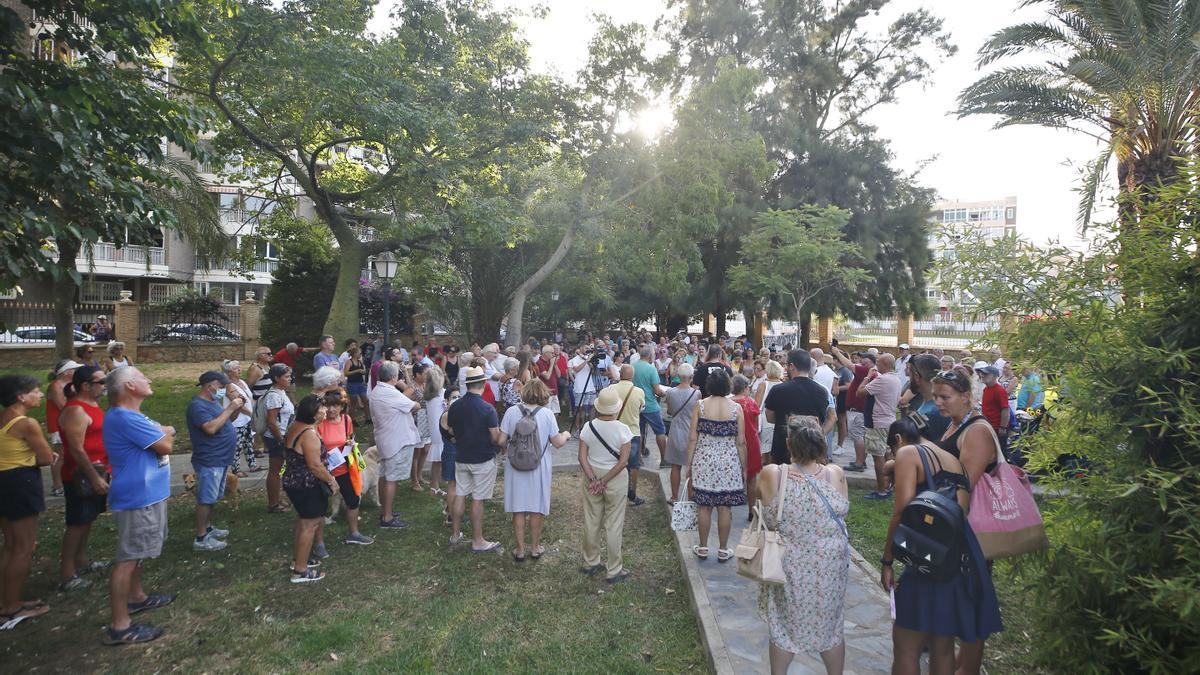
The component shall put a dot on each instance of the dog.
(370, 484)
(232, 494)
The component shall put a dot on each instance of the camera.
(595, 356)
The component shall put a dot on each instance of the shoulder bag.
(760, 552)
(1004, 515)
(684, 514)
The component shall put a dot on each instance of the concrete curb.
(710, 633)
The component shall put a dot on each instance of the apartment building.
(989, 219)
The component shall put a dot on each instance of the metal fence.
(162, 325)
(32, 323)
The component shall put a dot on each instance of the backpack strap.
(921, 450)
(623, 403)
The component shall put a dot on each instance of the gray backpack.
(523, 451)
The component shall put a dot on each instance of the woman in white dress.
(766, 430)
(434, 404)
(527, 493)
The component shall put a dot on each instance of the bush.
(1119, 590)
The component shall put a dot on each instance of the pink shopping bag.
(1003, 513)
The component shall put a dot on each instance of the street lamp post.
(385, 269)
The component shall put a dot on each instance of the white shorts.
(856, 425)
(477, 481)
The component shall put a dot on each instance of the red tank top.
(93, 440)
(52, 412)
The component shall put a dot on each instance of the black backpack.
(931, 535)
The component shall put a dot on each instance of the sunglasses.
(954, 379)
(96, 382)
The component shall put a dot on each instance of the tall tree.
(300, 85)
(1121, 71)
(825, 71)
(793, 256)
(84, 135)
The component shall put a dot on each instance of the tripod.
(576, 419)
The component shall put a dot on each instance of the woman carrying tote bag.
(807, 612)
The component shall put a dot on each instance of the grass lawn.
(174, 385)
(408, 603)
(1007, 652)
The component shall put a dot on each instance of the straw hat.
(608, 403)
(475, 375)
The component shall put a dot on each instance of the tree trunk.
(516, 306)
(63, 292)
(720, 314)
(342, 321)
(799, 329)
(805, 331)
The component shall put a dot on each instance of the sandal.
(258, 469)
(455, 541)
(136, 633)
(489, 546)
(537, 552)
(724, 555)
(308, 576)
(278, 508)
(152, 601)
(700, 552)
(519, 557)
(33, 605)
(242, 474)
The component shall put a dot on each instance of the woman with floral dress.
(717, 462)
(807, 612)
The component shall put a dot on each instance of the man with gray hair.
(138, 449)
(883, 385)
(493, 367)
(396, 437)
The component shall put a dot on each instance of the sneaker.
(56, 492)
(318, 551)
(359, 539)
(135, 634)
(877, 496)
(208, 543)
(75, 583)
(635, 500)
(308, 576)
(217, 532)
(394, 524)
(855, 467)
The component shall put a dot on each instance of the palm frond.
(1021, 38)
(1089, 190)
(196, 218)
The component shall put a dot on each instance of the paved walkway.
(737, 638)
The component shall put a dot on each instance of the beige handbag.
(760, 552)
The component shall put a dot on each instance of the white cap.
(69, 365)
(980, 364)
(904, 345)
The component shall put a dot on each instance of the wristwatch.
(885, 562)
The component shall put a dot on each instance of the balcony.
(263, 266)
(103, 252)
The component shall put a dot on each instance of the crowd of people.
(734, 425)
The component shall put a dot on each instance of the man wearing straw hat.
(477, 432)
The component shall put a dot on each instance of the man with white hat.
(476, 430)
(902, 360)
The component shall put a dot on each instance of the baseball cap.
(979, 365)
(990, 370)
(212, 376)
(904, 345)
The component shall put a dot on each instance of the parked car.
(40, 335)
(191, 332)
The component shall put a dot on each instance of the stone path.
(737, 638)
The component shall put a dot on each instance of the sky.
(965, 160)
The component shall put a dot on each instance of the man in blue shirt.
(326, 357)
(477, 435)
(214, 443)
(645, 377)
(1030, 394)
(138, 449)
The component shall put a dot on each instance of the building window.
(163, 292)
(100, 291)
(1010, 213)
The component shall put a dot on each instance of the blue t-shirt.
(140, 476)
(471, 419)
(645, 376)
(936, 424)
(214, 450)
(322, 359)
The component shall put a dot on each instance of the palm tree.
(1126, 72)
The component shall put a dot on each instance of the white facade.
(989, 219)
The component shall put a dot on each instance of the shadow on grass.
(408, 603)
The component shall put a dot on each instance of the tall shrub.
(1119, 590)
